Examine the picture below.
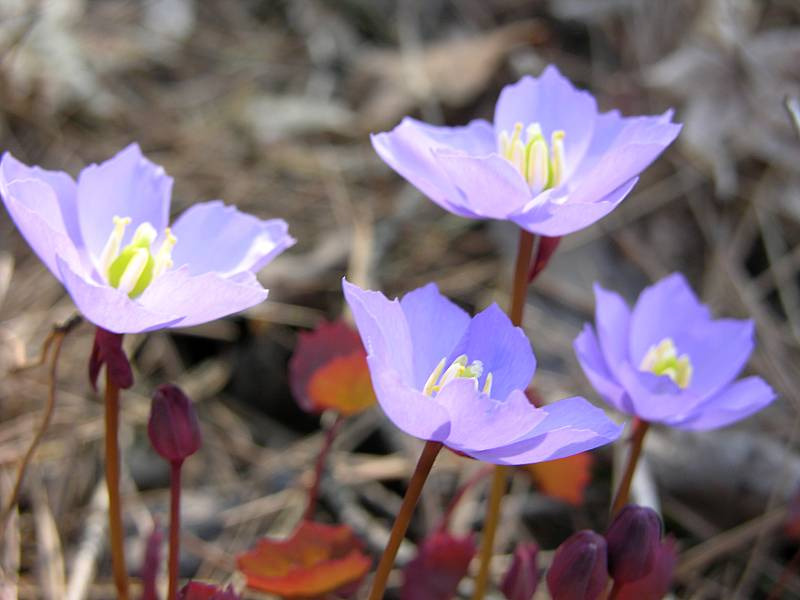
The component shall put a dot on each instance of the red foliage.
(204, 591)
(564, 478)
(441, 563)
(315, 560)
(329, 370)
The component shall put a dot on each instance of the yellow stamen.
(111, 249)
(458, 369)
(163, 257)
(542, 167)
(663, 359)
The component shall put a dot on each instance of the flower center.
(663, 359)
(542, 167)
(132, 268)
(458, 368)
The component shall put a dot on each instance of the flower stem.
(424, 464)
(313, 492)
(174, 526)
(640, 428)
(54, 340)
(117, 538)
(499, 478)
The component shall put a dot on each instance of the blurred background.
(269, 105)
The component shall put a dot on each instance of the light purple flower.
(443, 376)
(668, 361)
(106, 239)
(550, 162)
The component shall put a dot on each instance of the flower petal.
(555, 212)
(416, 414)
(613, 321)
(621, 149)
(718, 351)
(655, 397)
(735, 402)
(553, 102)
(202, 298)
(109, 308)
(503, 349)
(408, 149)
(436, 324)
(478, 422)
(383, 329)
(490, 186)
(62, 184)
(571, 426)
(34, 208)
(594, 365)
(215, 237)
(654, 316)
(126, 185)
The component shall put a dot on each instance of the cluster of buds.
(631, 553)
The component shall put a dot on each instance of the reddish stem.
(519, 291)
(640, 428)
(117, 538)
(324, 451)
(174, 527)
(424, 464)
(545, 251)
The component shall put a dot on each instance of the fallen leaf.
(329, 370)
(564, 478)
(315, 560)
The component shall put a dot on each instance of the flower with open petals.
(668, 361)
(443, 376)
(106, 239)
(550, 162)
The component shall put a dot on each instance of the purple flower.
(106, 239)
(550, 162)
(440, 375)
(668, 360)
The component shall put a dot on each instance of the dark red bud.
(107, 350)
(633, 540)
(522, 578)
(204, 591)
(656, 584)
(173, 428)
(579, 571)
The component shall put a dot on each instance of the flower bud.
(633, 539)
(173, 428)
(579, 571)
(522, 578)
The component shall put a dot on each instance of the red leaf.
(564, 478)
(442, 562)
(204, 591)
(329, 370)
(315, 560)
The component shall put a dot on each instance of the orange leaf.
(564, 478)
(329, 370)
(315, 560)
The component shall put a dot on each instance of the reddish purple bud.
(579, 571)
(442, 562)
(152, 559)
(656, 584)
(173, 428)
(204, 591)
(522, 579)
(107, 350)
(633, 539)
